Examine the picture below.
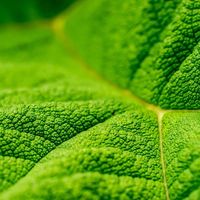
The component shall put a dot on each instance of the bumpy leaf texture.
(102, 102)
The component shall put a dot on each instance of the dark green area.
(28, 10)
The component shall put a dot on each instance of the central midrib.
(162, 157)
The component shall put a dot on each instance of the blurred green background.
(28, 10)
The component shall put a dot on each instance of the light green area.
(182, 150)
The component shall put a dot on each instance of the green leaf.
(68, 133)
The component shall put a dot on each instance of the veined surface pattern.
(67, 133)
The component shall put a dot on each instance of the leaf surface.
(68, 133)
